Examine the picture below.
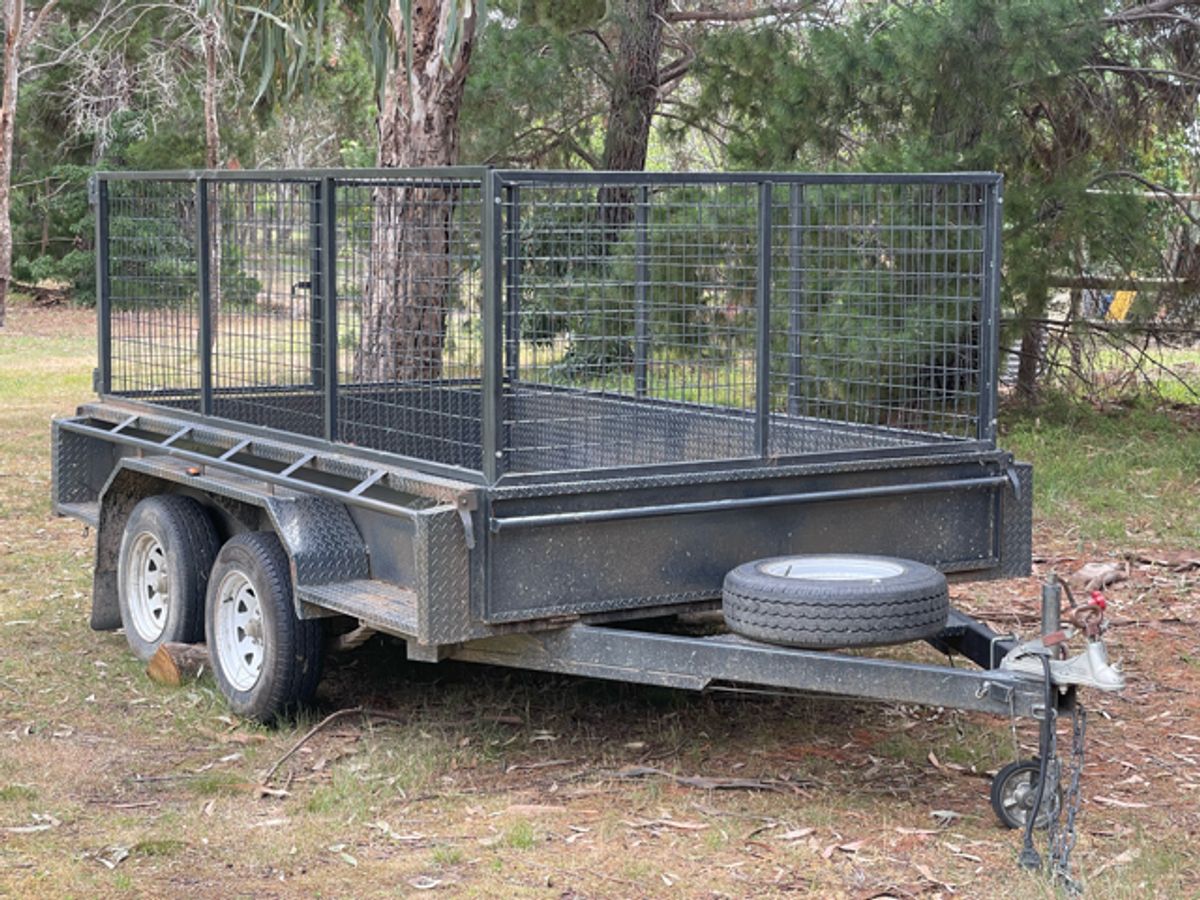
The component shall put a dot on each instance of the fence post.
(989, 313)
(762, 381)
(491, 377)
(316, 314)
(641, 324)
(795, 295)
(513, 287)
(204, 274)
(103, 290)
(329, 307)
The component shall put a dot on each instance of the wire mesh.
(639, 320)
(154, 314)
(876, 319)
(264, 259)
(409, 317)
(635, 337)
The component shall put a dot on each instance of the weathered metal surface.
(696, 662)
(384, 607)
(594, 552)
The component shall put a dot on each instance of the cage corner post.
(492, 375)
(989, 314)
(329, 397)
(204, 335)
(103, 385)
(762, 313)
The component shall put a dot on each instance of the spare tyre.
(823, 602)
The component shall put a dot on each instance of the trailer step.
(386, 607)
(88, 513)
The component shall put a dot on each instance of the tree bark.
(633, 96)
(633, 93)
(174, 663)
(1030, 360)
(210, 37)
(410, 272)
(14, 15)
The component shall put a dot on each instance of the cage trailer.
(531, 418)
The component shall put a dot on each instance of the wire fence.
(509, 322)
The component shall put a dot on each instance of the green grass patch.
(520, 836)
(17, 793)
(1129, 473)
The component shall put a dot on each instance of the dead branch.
(325, 723)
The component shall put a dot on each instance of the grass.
(1128, 473)
(504, 783)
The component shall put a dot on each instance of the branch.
(676, 70)
(1147, 183)
(1158, 10)
(736, 15)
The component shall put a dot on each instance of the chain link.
(1062, 841)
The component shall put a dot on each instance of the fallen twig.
(706, 783)
(324, 723)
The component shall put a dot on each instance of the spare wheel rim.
(831, 568)
(239, 631)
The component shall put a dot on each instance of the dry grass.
(502, 783)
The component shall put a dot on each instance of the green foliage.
(963, 85)
(534, 97)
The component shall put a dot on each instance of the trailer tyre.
(823, 602)
(266, 660)
(167, 550)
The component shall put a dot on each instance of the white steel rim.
(148, 587)
(239, 631)
(831, 568)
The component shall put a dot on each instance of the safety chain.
(1062, 841)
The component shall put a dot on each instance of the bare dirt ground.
(483, 782)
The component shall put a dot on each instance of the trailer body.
(506, 416)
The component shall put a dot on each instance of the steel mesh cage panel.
(507, 323)
(152, 291)
(264, 259)
(877, 304)
(633, 337)
(409, 310)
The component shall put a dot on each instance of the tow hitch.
(1036, 793)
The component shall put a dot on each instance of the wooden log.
(176, 663)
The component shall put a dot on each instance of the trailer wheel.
(266, 660)
(823, 602)
(167, 550)
(1014, 792)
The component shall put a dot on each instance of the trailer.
(531, 418)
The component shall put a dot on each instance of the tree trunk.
(210, 37)
(14, 14)
(1030, 360)
(410, 272)
(633, 96)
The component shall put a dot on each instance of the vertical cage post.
(204, 274)
(316, 313)
(328, 292)
(641, 325)
(512, 349)
(762, 312)
(989, 313)
(795, 295)
(491, 383)
(103, 290)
